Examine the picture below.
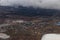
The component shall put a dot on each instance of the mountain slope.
(27, 11)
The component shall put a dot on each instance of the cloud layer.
(50, 4)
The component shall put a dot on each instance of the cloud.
(49, 4)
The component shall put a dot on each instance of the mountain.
(27, 11)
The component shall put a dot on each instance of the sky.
(51, 37)
(48, 4)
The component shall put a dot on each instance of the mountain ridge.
(27, 11)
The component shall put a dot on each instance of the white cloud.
(51, 4)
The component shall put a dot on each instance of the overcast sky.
(50, 4)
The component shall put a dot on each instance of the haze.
(48, 4)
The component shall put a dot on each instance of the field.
(29, 28)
